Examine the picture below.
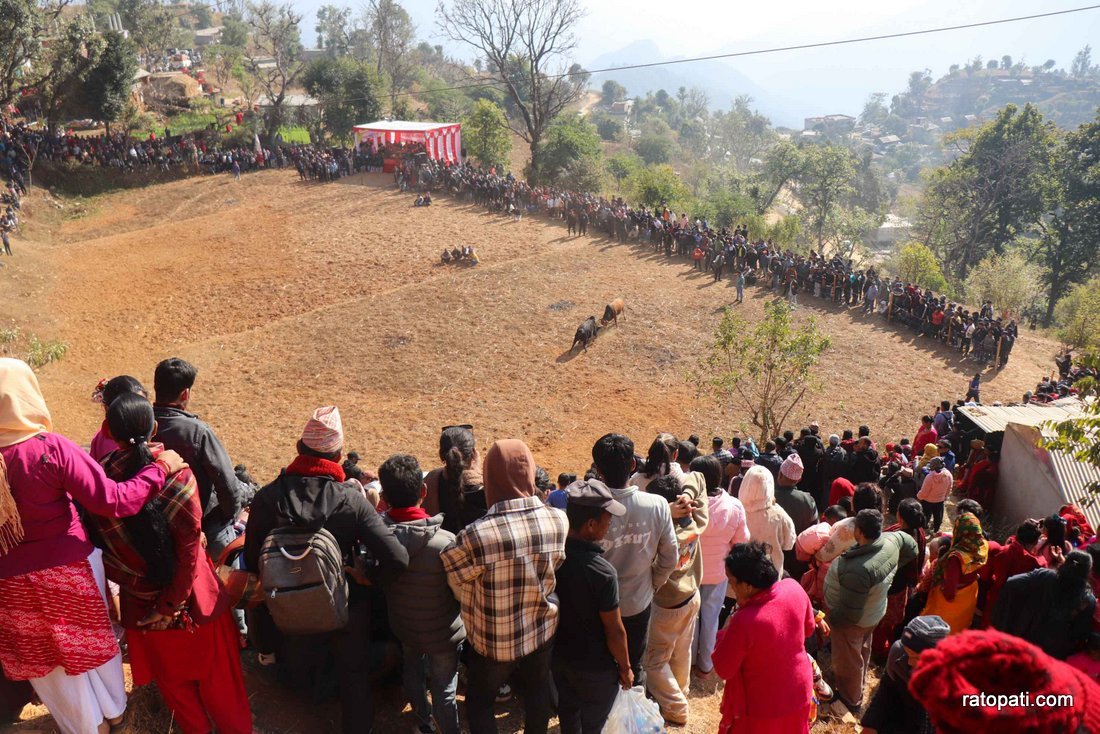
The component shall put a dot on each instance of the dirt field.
(288, 296)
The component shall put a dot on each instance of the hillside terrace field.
(288, 296)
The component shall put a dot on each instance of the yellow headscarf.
(23, 415)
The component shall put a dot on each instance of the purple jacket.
(47, 474)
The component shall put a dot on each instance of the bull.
(586, 332)
(612, 312)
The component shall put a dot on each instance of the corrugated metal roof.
(993, 419)
(1075, 478)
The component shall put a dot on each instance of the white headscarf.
(757, 489)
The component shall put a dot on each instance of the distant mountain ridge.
(719, 80)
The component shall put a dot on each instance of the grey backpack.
(302, 575)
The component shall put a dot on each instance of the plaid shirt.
(179, 501)
(502, 569)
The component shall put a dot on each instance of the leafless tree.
(394, 37)
(526, 45)
(274, 57)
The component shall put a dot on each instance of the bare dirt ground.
(288, 296)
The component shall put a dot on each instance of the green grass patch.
(181, 124)
(295, 134)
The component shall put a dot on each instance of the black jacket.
(314, 502)
(1032, 606)
(220, 492)
(866, 467)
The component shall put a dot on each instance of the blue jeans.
(711, 598)
(437, 672)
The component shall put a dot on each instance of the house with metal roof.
(1033, 481)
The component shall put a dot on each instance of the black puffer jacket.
(424, 613)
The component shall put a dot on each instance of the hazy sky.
(844, 74)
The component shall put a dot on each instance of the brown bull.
(612, 312)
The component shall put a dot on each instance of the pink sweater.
(725, 526)
(761, 656)
(44, 473)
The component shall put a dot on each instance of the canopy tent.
(441, 140)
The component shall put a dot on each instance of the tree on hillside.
(585, 175)
(621, 165)
(347, 91)
(875, 110)
(568, 140)
(70, 58)
(485, 134)
(743, 132)
(107, 88)
(394, 38)
(235, 32)
(763, 370)
(1078, 313)
(823, 183)
(1008, 280)
(612, 92)
(152, 25)
(1069, 240)
(22, 29)
(915, 263)
(655, 148)
(994, 191)
(223, 61)
(274, 58)
(1082, 66)
(783, 164)
(333, 29)
(655, 186)
(541, 34)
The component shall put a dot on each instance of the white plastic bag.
(633, 713)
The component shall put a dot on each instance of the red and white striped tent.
(442, 140)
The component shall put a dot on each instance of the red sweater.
(761, 656)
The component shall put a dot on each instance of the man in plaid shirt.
(501, 568)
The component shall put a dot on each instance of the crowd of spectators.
(775, 575)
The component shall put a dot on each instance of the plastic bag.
(633, 713)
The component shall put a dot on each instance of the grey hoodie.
(424, 613)
(641, 545)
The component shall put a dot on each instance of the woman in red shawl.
(981, 481)
(1017, 556)
(839, 489)
(1078, 530)
(174, 608)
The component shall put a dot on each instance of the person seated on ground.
(426, 199)
(445, 258)
(472, 258)
(419, 200)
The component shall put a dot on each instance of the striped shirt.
(502, 570)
